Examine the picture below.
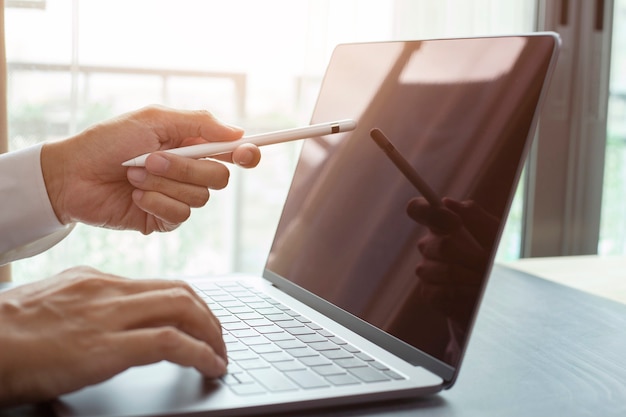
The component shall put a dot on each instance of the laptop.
(370, 291)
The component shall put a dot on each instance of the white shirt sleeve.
(28, 224)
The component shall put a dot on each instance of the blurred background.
(72, 63)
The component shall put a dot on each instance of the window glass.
(613, 221)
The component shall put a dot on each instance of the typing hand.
(82, 327)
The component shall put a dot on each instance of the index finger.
(176, 126)
(177, 307)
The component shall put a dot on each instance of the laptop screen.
(356, 232)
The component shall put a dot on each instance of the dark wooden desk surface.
(539, 349)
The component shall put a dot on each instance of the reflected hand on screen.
(455, 253)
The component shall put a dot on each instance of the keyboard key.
(254, 340)
(223, 298)
(311, 338)
(336, 354)
(325, 333)
(269, 310)
(302, 319)
(326, 370)
(326, 345)
(241, 309)
(307, 379)
(258, 322)
(256, 305)
(276, 356)
(273, 380)
(228, 318)
(342, 380)
(269, 329)
(229, 379)
(367, 374)
(289, 322)
(350, 348)
(314, 360)
(247, 297)
(291, 365)
(350, 363)
(237, 325)
(282, 318)
(363, 357)
(233, 304)
(233, 368)
(289, 344)
(265, 348)
(242, 355)
(244, 378)
(314, 326)
(393, 375)
(257, 363)
(302, 352)
(276, 337)
(248, 389)
(228, 338)
(253, 315)
(379, 366)
(299, 330)
(235, 346)
(244, 333)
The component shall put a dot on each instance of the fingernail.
(136, 174)
(157, 164)
(137, 194)
(246, 158)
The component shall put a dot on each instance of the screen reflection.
(357, 233)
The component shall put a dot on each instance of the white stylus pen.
(216, 148)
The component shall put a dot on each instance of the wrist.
(53, 168)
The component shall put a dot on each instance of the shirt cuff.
(28, 224)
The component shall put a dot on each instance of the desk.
(539, 349)
(596, 274)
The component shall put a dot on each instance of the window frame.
(563, 196)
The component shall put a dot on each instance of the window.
(613, 228)
(72, 63)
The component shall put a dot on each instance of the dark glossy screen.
(356, 232)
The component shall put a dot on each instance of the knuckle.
(150, 111)
(87, 278)
(167, 339)
(181, 297)
(178, 292)
(188, 171)
(203, 113)
(178, 283)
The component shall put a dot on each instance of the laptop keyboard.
(272, 348)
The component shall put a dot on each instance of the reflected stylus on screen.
(403, 165)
